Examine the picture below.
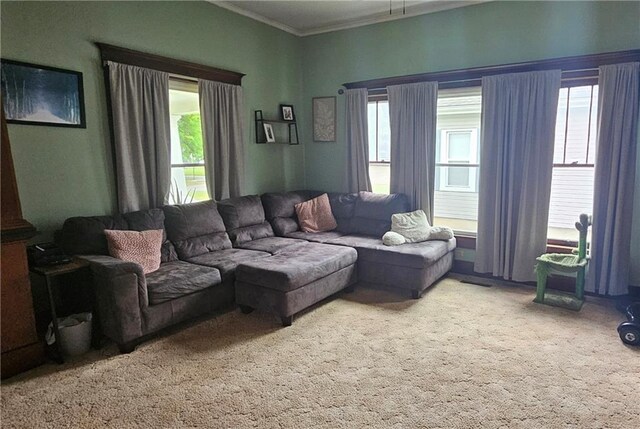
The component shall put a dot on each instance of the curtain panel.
(518, 126)
(412, 116)
(356, 104)
(615, 170)
(141, 134)
(222, 113)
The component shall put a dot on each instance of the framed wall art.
(324, 119)
(40, 95)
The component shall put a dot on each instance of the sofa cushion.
(195, 229)
(141, 247)
(315, 237)
(292, 269)
(144, 220)
(244, 219)
(227, 260)
(279, 209)
(315, 215)
(372, 212)
(414, 255)
(271, 245)
(177, 278)
(343, 206)
(84, 235)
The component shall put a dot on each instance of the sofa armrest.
(121, 292)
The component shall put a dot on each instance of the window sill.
(468, 241)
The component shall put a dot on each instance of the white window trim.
(444, 159)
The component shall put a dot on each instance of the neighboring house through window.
(573, 160)
(187, 157)
(379, 146)
(458, 150)
(457, 158)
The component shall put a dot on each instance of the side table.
(49, 273)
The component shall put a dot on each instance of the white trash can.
(75, 334)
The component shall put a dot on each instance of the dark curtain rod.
(577, 70)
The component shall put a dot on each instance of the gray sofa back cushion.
(372, 212)
(342, 207)
(85, 235)
(195, 229)
(245, 219)
(280, 211)
(144, 220)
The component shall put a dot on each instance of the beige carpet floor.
(463, 356)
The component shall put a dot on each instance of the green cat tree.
(564, 264)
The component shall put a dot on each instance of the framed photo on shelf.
(324, 119)
(268, 133)
(286, 112)
(40, 95)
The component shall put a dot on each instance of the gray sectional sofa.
(249, 251)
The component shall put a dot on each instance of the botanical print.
(324, 119)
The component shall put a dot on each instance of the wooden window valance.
(169, 65)
(576, 71)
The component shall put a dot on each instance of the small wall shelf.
(278, 128)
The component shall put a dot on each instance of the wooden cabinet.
(21, 349)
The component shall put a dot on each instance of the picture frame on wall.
(286, 113)
(324, 119)
(34, 94)
(268, 133)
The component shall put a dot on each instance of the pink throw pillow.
(315, 215)
(141, 247)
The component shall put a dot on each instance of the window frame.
(377, 100)
(474, 146)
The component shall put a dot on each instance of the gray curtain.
(356, 102)
(142, 135)
(412, 115)
(518, 125)
(615, 170)
(222, 113)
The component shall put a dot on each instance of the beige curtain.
(221, 111)
(614, 179)
(141, 134)
(518, 125)
(412, 115)
(356, 102)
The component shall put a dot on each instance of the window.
(573, 160)
(457, 159)
(187, 157)
(379, 146)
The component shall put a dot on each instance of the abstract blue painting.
(41, 95)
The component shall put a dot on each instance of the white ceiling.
(307, 17)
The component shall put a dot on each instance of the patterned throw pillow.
(315, 215)
(141, 247)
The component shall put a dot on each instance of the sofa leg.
(126, 348)
(415, 294)
(245, 309)
(286, 320)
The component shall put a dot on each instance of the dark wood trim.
(467, 241)
(169, 65)
(578, 68)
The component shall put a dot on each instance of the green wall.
(481, 35)
(64, 172)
